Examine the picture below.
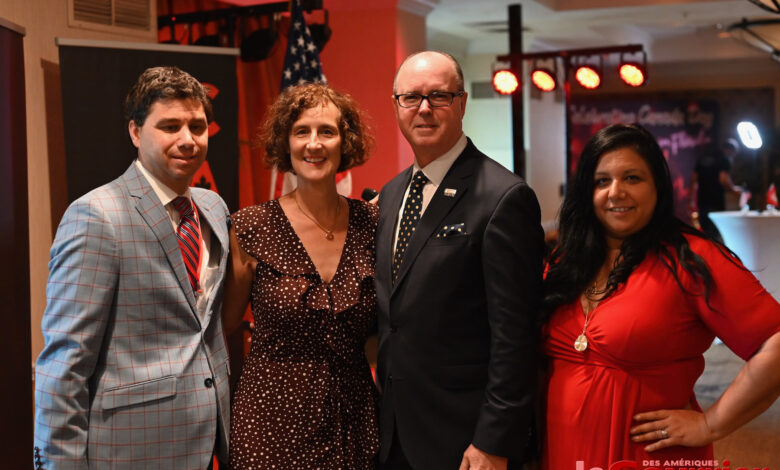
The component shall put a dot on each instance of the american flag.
(302, 59)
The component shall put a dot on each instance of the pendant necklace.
(581, 343)
(328, 233)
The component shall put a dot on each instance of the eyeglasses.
(437, 99)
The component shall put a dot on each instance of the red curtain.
(258, 87)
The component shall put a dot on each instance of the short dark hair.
(162, 84)
(582, 246)
(356, 140)
(458, 69)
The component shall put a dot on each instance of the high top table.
(755, 238)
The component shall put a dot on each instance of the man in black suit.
(457, 292)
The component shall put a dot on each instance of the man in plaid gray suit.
(134, 371)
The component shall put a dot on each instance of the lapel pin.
(449, 192)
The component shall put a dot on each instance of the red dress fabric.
(645, 346)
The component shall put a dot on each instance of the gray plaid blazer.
(130, 375)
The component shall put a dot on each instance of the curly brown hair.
(356, 139)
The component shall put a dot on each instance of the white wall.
(488, 121)
(489, 124)
(546, 152)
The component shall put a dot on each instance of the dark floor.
(755, 445)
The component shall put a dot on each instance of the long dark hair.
(582, 246)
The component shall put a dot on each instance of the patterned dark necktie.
(188, 235)
(409, 219)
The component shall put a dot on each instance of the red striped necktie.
(188, 235)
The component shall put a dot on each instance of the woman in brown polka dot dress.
(306, 399)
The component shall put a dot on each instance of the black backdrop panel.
(16, 431)
(685, 128)
(95, 81)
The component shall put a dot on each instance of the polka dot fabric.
(409, 219)
(306, 399)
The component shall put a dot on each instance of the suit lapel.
(217, 228)
(458, 178)
(156, 217)
(219, 231)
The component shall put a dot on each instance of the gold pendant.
(581, 343)
(329, 235)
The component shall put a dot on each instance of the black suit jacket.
(457, 346)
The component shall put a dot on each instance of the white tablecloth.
(755, 238)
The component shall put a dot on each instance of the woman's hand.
(669, 428)
(754, 390)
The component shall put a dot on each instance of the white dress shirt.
(435, 172)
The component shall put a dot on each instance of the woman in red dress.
(635, 298)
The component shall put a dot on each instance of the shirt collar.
(163, 192)
(438, 168)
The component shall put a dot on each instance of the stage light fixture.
(633, 73)
(588, 77)
(587, 71)
(544, 79)
(749, 135)
(505, 82)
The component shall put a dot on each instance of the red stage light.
(588, 77)
(632, 74)
(544, 79)
(505, 82)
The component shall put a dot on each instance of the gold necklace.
(593, 290)
(581, 343)
(328, 233)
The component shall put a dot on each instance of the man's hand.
(475, 459)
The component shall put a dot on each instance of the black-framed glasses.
(437, 99)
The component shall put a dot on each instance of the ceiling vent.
(126, 17)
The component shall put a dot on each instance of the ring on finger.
(664, 434)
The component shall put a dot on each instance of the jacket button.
(390, 378)
(393, 328)
(209, 382)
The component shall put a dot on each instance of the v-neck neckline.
(306, 252)
(581, 309)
